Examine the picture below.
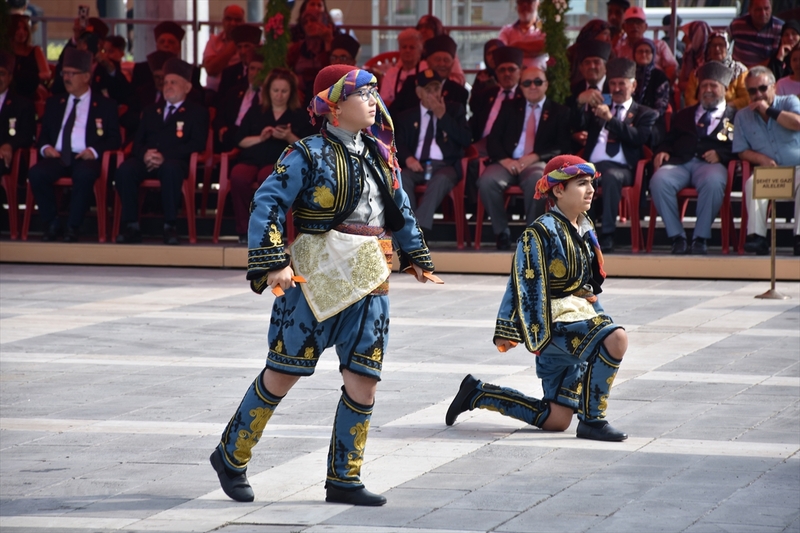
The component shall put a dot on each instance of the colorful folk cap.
(179, 67)
(714, 70)
(594, 48)
(560, 169)
(507, 54)
(169, 27)
(246, 33)
(424, 77)
(156, 60)
(441, 43)
(80, 60)
(621, 67)
(346, 42)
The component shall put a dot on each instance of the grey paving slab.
(115, 384)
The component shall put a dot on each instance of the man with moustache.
(76, 129)
(767, 135)
(617, 136)
(437, 132)
(485, 105)
(695, 154)
(589, 93)
(528, 133)
(169, 133)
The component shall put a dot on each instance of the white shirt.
(716, 116)
(436, 152)
(498, 102)
(599, 152)
(245, 106)
(536, 109)
(166, 108)
(78, 137)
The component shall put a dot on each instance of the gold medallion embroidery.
(323, 196)
(557, 268)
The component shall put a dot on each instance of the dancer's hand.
(281, 278)
(504, 345)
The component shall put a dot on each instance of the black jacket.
(227, 113)
(117, 86)
(406, 98)
(185, 132)
(552, 133)
(682, 143)
(452, 133)
(19, 112)
(633, 133)
(481, 103)
(102, 126)
(580, 117)
(233, 78)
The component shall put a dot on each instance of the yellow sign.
(774, 183)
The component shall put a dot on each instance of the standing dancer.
(551, 305)
(344, 191)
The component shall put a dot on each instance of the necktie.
(170, 111)
(425, 155)
(507, 94)
(704, 122)
(530, 131)
(612, 144)
(66, 138)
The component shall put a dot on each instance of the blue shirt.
(782, 145)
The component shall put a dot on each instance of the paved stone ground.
(116, 383)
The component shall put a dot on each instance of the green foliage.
(553, 24)
(276, 37)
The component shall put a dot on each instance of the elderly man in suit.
(17, 116)
(76, 129)
(695, 154)
(234, 78)
(485, 105)
(170, 132)
(168, 36)
(430, 138)
(617, 135)
(526, 135)
(592, 91)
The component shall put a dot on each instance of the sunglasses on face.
(752, 91)
(536, 81)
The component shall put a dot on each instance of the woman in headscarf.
(551, 306)
(347, 203)
(717, 49)
(695, 35)
(596, 29)
(485, 78)
(652, 85)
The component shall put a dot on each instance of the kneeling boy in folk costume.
(551, 305)
(342, 186)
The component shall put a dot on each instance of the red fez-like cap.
(330, 75)
(560, 161)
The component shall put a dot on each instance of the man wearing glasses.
(768, 135)
(528, 133)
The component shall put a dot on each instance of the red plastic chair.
(100, 192)
(690, 193)
(9, 183)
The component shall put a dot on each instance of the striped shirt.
(752, 46)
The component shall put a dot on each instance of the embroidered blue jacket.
(321, 181)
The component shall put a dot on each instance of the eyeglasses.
(503, 70)
(535, 81)
(752, 91)
(341, 58)
(366, 93)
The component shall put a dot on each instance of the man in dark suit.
(485, 105)
(146, 94)
(108, 77)
(617, 136)
(592, 57)
(526, 135)
(236, 103)
(234, 78)
(168, 39)
(17, 116)
(169, 133)
(430, 139)
(440, 52)
(696, 154)
(76, 129)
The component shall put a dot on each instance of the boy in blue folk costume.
(551, 305)
(344, 191)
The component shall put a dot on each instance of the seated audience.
(93, 25)
(76, 129)
(652, 86)
(312, 53)
(30, 65)
(486, 78)
(526, 34)
(486, 104)
(592, 91)
(17, 116)
(528, 132)
(168, 36)
(790, 37)
(409, 42)
(790, 84)
(717, 50)
(236, 103)
(169, 133)
(429, 27)
(220, 50)
(145, 94)
(596, 29)
(695, 36)
(695, 154)
(107, 76)
(617, 136)
(635, 25)
(431, 139)
(755, 35)
(266, 130)
(344, 50)
(767, 135)
(247, 38)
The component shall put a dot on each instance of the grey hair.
(761, 70)
(409, 33)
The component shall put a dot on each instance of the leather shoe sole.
(605, 433)
(468, 385)
(236, 487)
(354, 497)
